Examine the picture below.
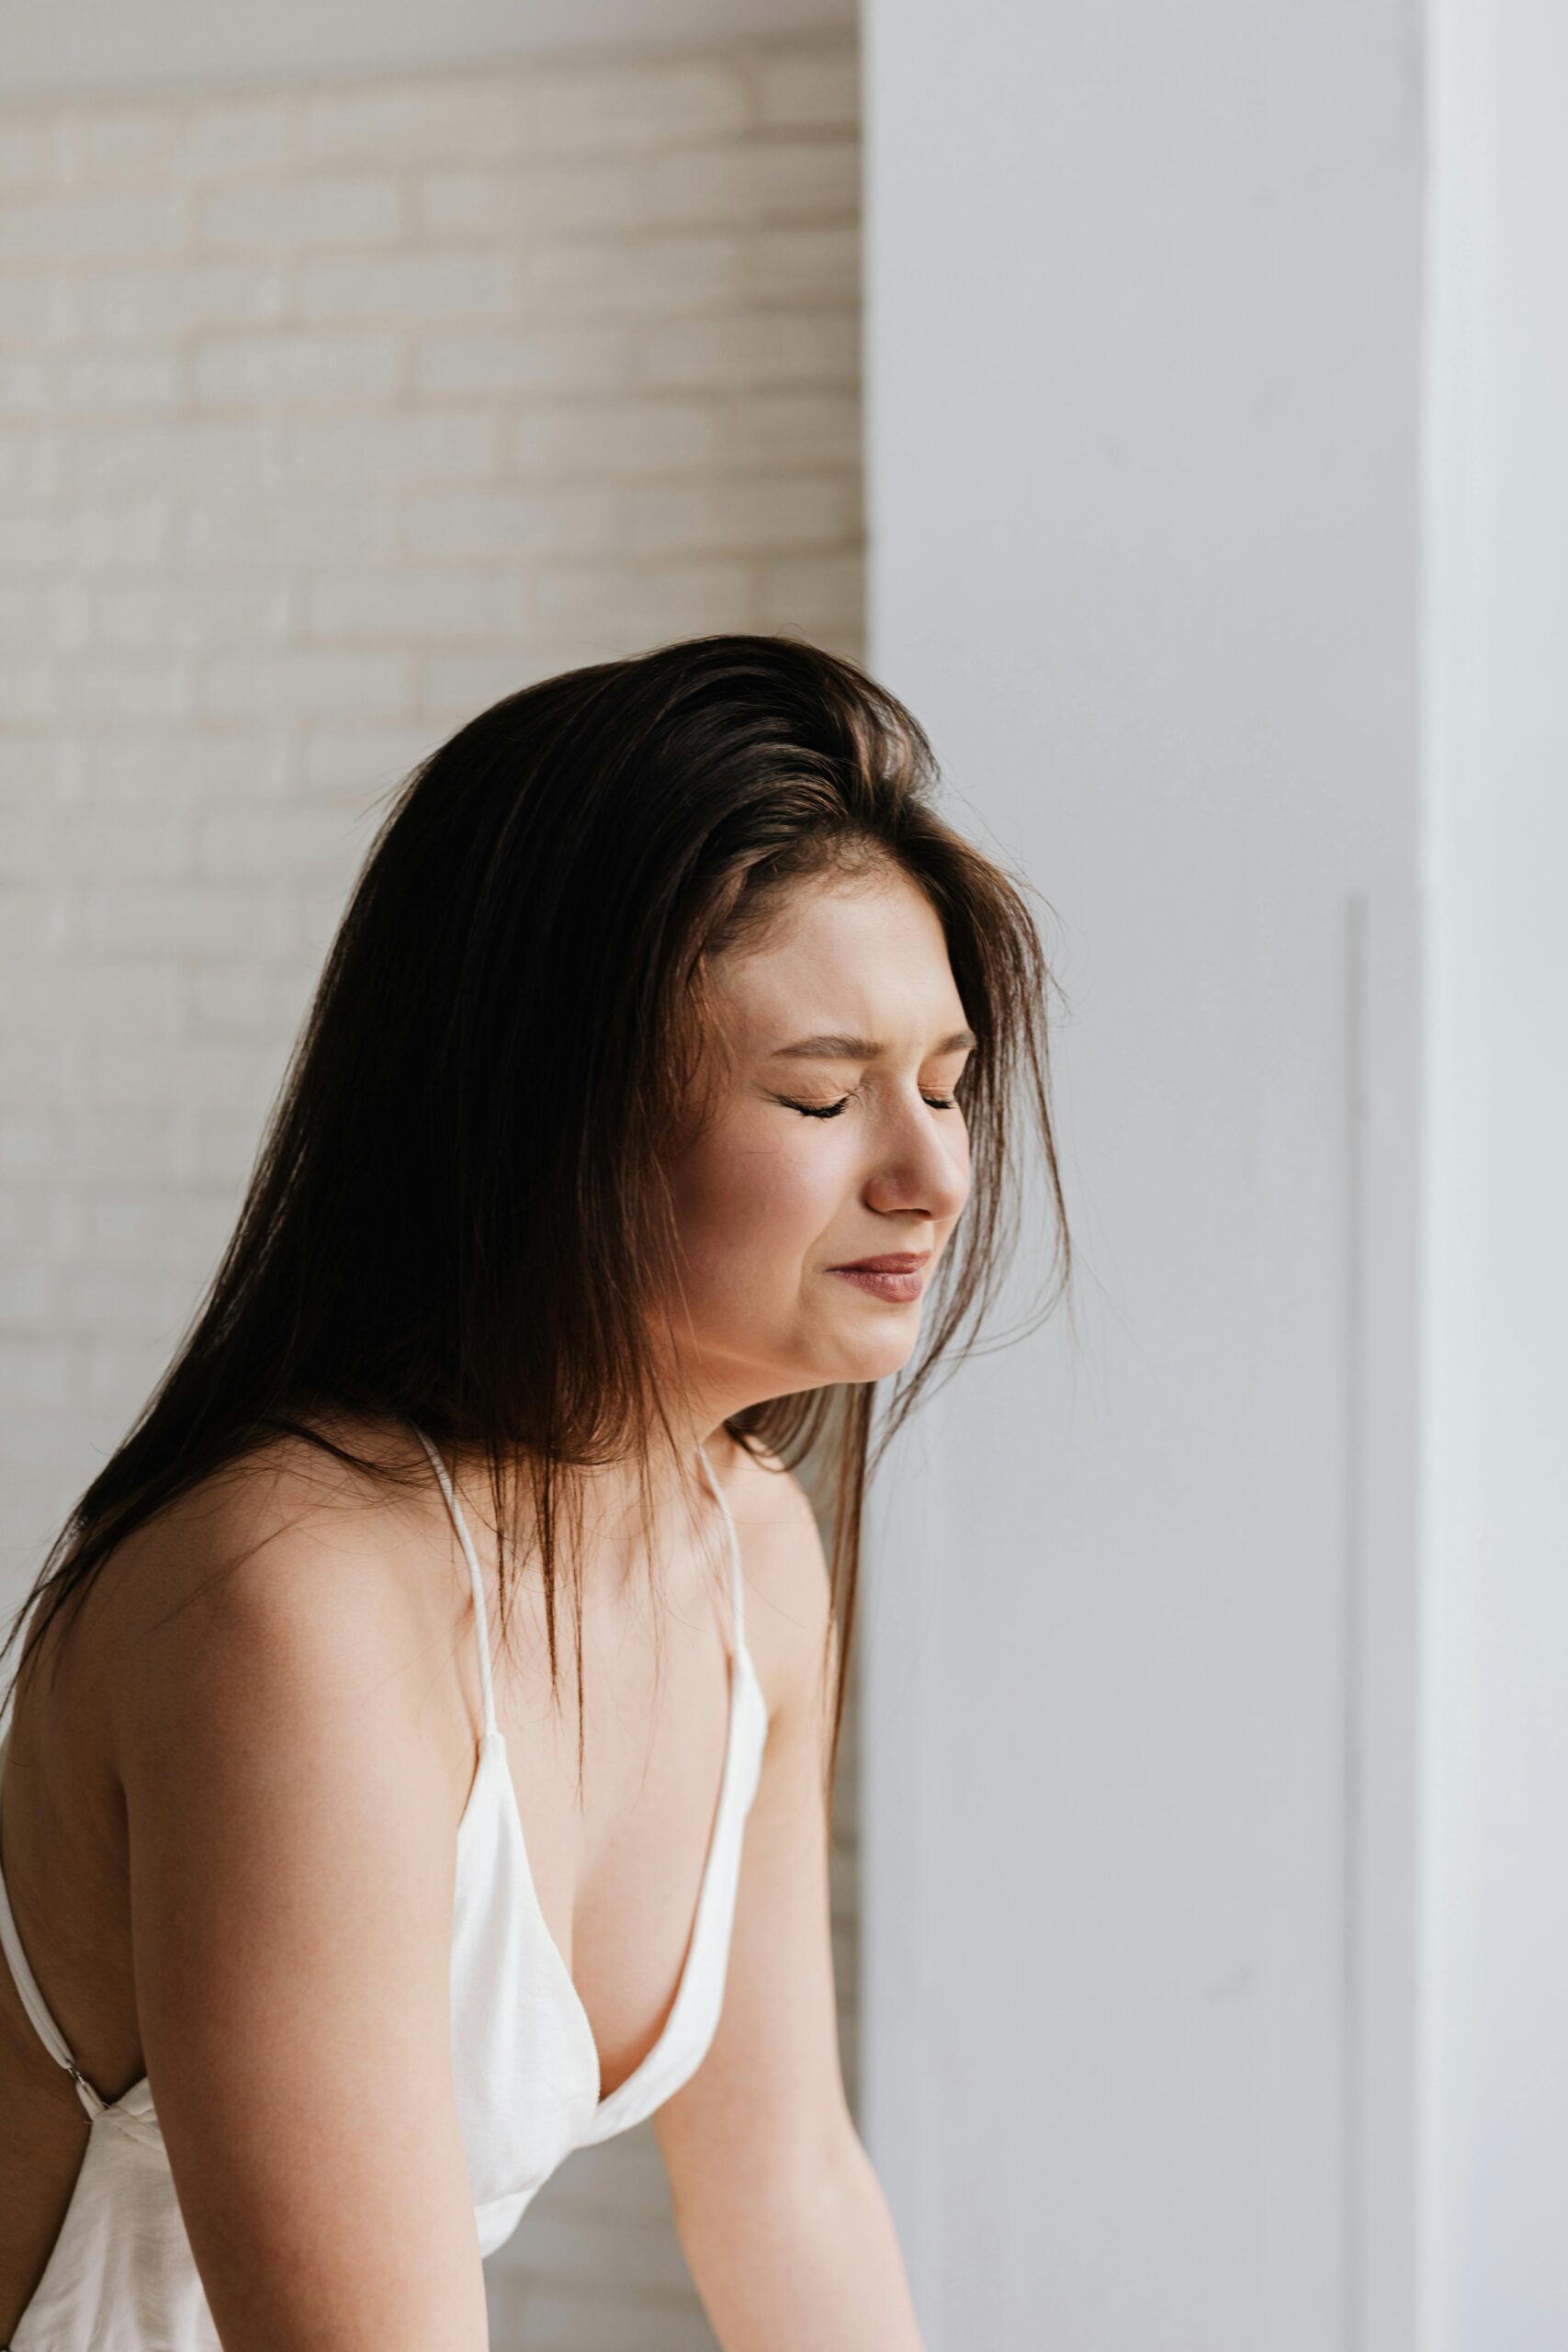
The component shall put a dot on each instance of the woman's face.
(828, 1138)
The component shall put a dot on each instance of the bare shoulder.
(290, 1578)
(788, 1591)
(284, 1740)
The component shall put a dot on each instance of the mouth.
(899, 1274)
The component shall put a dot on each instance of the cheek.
(765, 1201)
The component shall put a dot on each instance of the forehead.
(863, 952)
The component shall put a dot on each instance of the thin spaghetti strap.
(476, 1577)
(37, 2008)
(736, 1584)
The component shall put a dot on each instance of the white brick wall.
(326, 416)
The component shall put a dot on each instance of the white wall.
(326, 417)
(83, 46)
(1143, 336)
(1498, 1490)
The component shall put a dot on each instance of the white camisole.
(121, 2277)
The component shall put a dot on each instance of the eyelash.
(832, 1110)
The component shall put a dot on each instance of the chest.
(616, 1861)
(536, 2073)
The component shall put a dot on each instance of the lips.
(896, 1275)
(893, 1261)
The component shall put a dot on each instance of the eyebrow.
(833, 1048)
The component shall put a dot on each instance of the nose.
(922, 1165)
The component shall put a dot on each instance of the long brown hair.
(459, 1220)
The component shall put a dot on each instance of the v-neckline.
(740, 1669)
(493, 1740)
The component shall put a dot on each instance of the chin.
(865, 1356)
(878, 1362)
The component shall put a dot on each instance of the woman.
(667, 1036)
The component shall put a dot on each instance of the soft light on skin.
(770, 1198)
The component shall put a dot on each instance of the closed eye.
(832, 1110)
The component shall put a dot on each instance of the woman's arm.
(813, 2262)
(291, 1837)
(783, 2223)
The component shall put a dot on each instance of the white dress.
(121, 2277)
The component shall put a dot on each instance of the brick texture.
(326, 416)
